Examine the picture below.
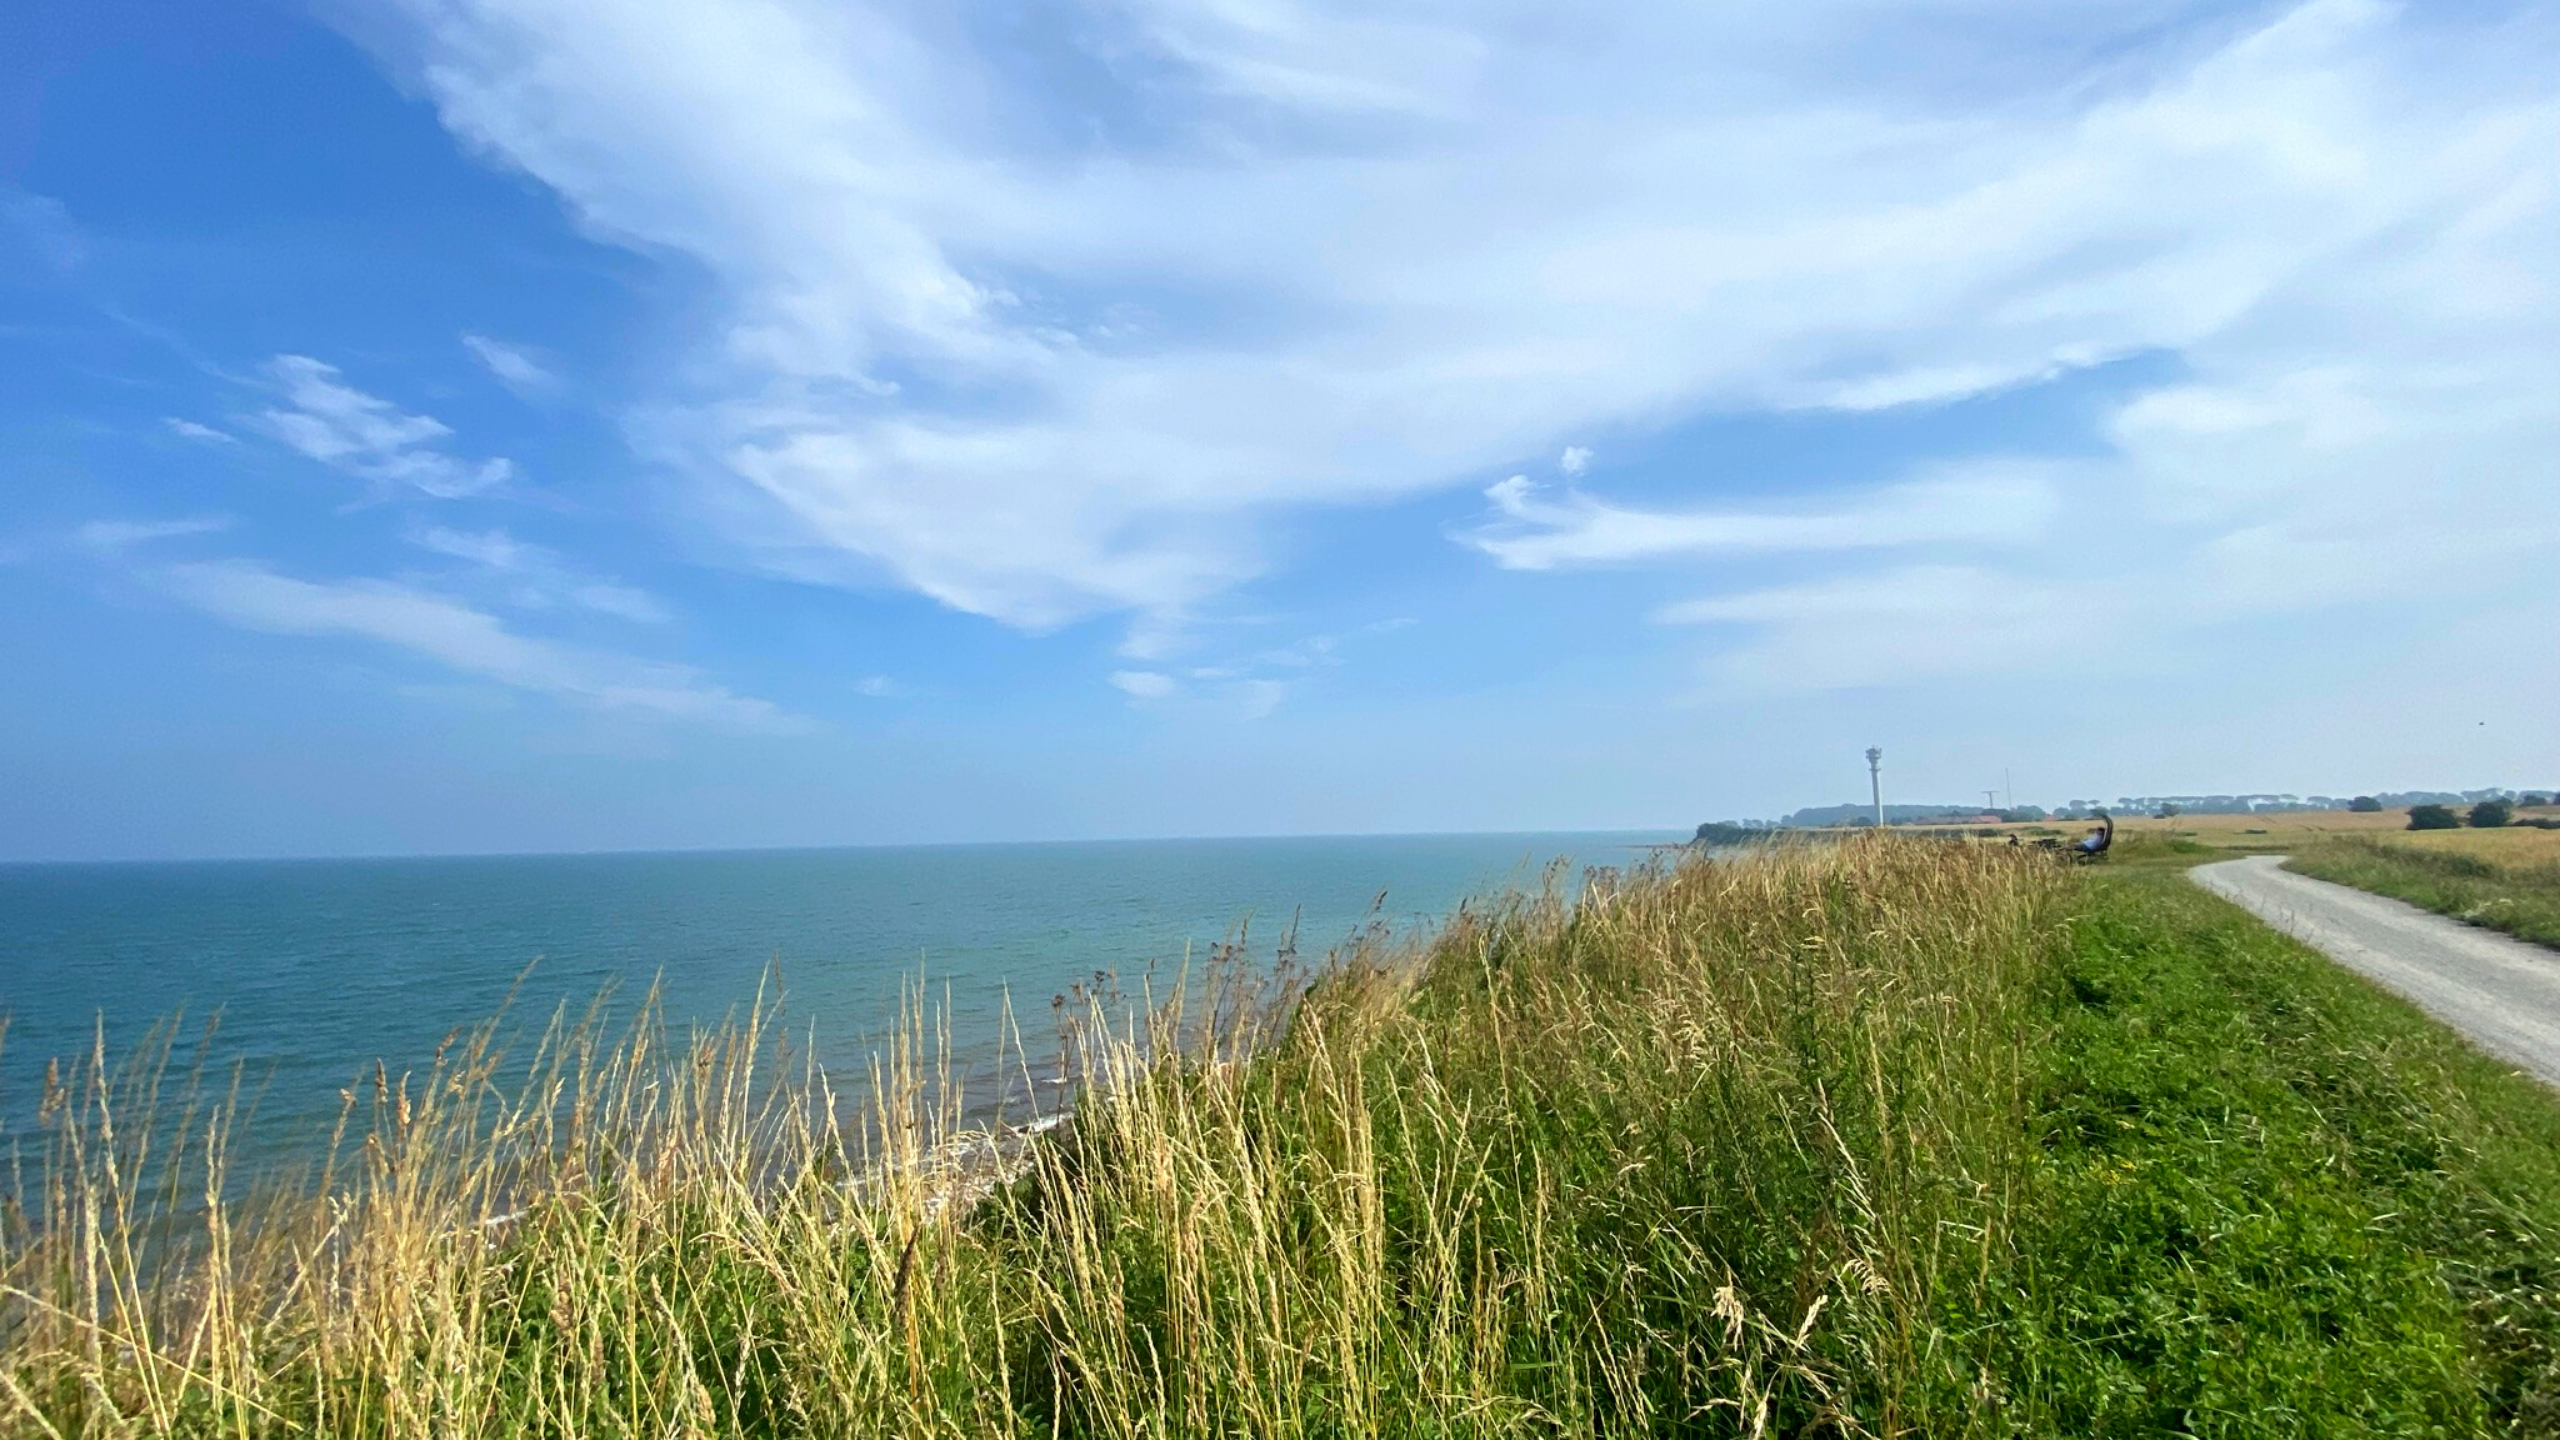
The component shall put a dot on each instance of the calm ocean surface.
(316, 968)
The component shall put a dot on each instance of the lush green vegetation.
(2521, 896)
(2281, 1201)
(1877, 1138)
(1717, 833)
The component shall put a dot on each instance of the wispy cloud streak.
(1535, 533)
(114, 535)
(467, 641)
(364, 435)
(201, 433)
(514, 365)
(540, 574)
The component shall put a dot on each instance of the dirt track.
(2501, 992)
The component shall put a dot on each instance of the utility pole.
(1875, 780)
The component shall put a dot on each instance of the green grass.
(2280, 1201)
(2522, 899)
(1883, 1138)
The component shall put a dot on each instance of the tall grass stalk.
(1723, 1148)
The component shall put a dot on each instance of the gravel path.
(2503, 993)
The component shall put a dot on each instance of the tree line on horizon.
(2450, 803)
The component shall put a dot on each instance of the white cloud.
(367, 436)
(204, 434)
(495, 549)
(620, 601)
(1259, 699)
(514, 365)
(40, 228)
(1314, 650)
(1244, 681)
(1898, 626)
(1222, 688)
(1045, 351)
(107, 535)
(542, 577)
(464, 640)
(2232, 498)
(1992, 504)
(1574, 461)
(1154, 635)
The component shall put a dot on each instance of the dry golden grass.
(2507, 845)
(2257, 831)
(1704, 1145)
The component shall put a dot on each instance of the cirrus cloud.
(114, 535)
(364, 435)
(1995, 505)
(539, 575)
(467, 641)
(515, 366)
(1042, 349)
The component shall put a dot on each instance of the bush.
(2364, 805)
(2433, 817)
(2534, 800)
(2490, 814)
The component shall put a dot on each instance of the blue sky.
(467, 425)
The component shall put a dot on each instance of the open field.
(2272, 829)
(2513, 844)
(2281, 831)
(2245, 834)
(1876, 1138)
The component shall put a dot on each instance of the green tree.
(2364, 805)
(2490, 814)
(2433, 817)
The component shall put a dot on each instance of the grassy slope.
(2283, 1202)
(2522, 899)
(1893, 1139)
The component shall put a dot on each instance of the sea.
(294, 978)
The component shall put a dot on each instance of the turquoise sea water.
(315, 969)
